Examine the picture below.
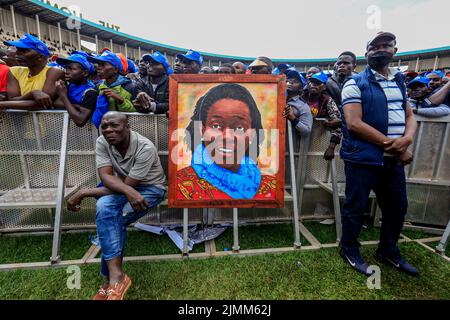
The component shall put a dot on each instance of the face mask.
(379, 60)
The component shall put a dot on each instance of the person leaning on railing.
(79, 97)
(116, 92)
(323, 106)
(32, 86)
(297, 110)
(153, 87)
(421, 105)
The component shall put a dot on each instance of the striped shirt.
(397, 115)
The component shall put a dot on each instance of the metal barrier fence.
(40, 153)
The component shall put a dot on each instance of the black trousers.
(389, 184)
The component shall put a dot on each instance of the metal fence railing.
(36, 148)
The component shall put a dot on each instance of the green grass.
(414, 235)
(141, 243)
(22, 249)
(323, 275)
(433, 245)
(258, 237)
(327, 233)
(38, 248)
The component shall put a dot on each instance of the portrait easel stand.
(294, 197)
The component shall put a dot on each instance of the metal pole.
(96, 44)
(27, 25)
(60, 37)
(26, 174)
(417, 65)
(185, 232)
(412, 168)
(440, 159)
(297, 241)
(60, 192)
(37, 130)
(126, 50)
(13, 19)
(111, 44)
(336, 202)
(79, 39)
(38, 24)
(139, 52)
(236, 247)
(444, 241)
(436, 61)
(303, 160)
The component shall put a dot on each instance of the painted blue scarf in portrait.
(243, 184)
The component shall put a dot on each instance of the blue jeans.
(114, 214)
(389, 184)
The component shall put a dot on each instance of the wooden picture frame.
(197, 177)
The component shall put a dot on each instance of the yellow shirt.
(27, 83)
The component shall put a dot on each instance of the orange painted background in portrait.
(265, 96)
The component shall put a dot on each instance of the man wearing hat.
(311, 71)
(409, 76)
(189, 63)
(261, 65)
(421, 105)
(378, 127)
(441, 95)
(32, 85)
(297, 110)
(282, 68)
(323, 106)
(116, 92)
(153, 94)
(80, 98)
(435, 78)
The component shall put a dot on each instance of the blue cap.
(419, 79)
(78, 58)
(109, 57)
(85, 54)
(296, 74)
(320, 76)
(437, 72)
(132, 67)
(29, 41)
(283, 66)
(191, 55)
(157, 57)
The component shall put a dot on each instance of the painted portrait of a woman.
(224, 135)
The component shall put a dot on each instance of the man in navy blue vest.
(378, 127)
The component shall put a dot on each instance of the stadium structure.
(50, 24)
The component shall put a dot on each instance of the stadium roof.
(52, 15)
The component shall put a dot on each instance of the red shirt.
(4, 69)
